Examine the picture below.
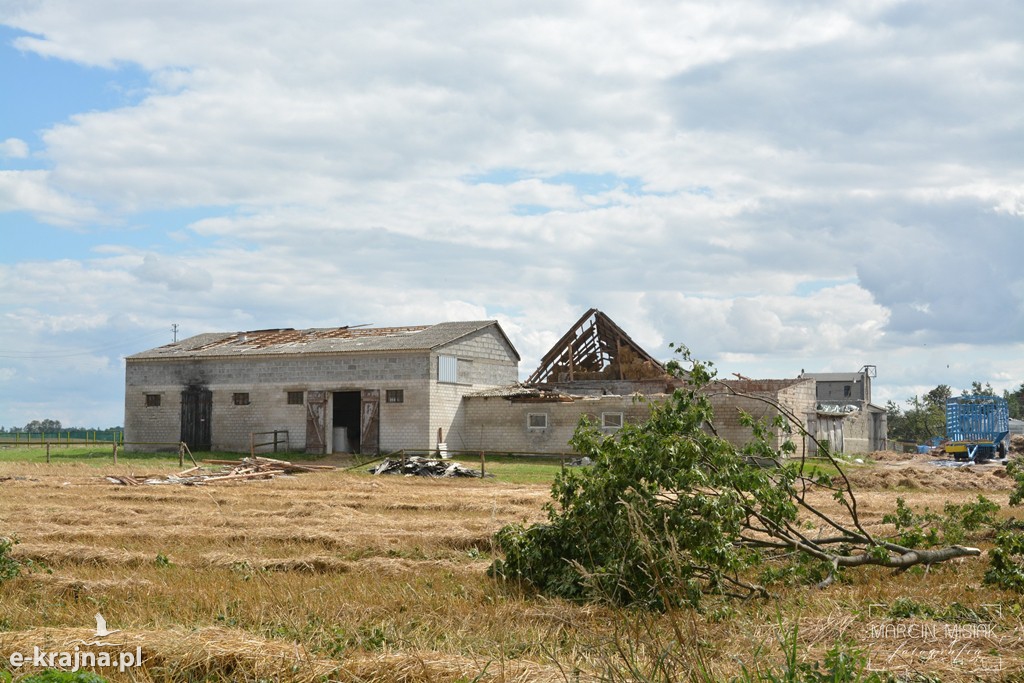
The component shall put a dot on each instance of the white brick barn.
(334, 390)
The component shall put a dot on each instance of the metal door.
(196, 418)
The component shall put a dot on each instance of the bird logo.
(101, 627)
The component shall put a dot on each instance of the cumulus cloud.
(14, 148)
(180, 277)
(32, 192)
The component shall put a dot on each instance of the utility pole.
(174, 329)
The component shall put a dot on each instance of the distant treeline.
(55, 427)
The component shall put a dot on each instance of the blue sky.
(819, 187)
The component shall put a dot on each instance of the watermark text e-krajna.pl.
(77, 659)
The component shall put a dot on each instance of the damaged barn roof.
(289, 341)
(523, 392)
(596, 348)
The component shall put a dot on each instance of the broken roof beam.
(590, 346)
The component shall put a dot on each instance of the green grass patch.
(508, 468)
(517, 469)
(103, 455)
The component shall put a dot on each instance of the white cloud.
(176, 276)
(13, 148)
(32, 191)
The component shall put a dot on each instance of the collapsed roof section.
(596, 348)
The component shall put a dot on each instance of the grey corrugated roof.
(317, 340)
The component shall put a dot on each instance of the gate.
(369, 427)
(316, 422)
(196, 418)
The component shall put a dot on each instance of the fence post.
(252, 445)
(275, 441)
(115, 452)
(181, 454)
(482, 464)
(47, 453)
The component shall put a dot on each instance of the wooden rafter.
(596, 348)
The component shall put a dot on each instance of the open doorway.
(346, 421)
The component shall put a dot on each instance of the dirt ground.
(913, 471)
(343, 576)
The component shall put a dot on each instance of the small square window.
(395, 396)
(537, 421)
(295, 398)
(241, 399)
(152, 400)
(611, 420)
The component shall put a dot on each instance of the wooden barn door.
(316, 422)
(196, 418)
(369, 426)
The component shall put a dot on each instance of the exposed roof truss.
(596, 348)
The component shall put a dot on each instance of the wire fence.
(67, 438)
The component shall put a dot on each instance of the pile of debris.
(246, 469)
(416, 466)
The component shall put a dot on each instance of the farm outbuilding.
(598, 371)
(451, 385)
(345, 389)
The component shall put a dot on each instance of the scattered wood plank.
(246, 469)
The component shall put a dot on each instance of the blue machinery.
(976, 427)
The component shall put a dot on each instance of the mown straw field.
(343, 576)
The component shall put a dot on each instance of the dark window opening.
(152, 400)
(346, 415)
(241, 399)
(295, 398)
(395, 396)
(846, 391)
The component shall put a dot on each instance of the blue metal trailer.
(976, 427)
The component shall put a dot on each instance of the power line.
(36, 355)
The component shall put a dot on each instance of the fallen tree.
(669, 511)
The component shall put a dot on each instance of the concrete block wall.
(268, 410)
(857, 432)
(498, 424)
(154, 424)
(797, 395)
(267, 379)
(801, 400)
(485, 360)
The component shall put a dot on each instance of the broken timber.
(416, 466)
(230, 470)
